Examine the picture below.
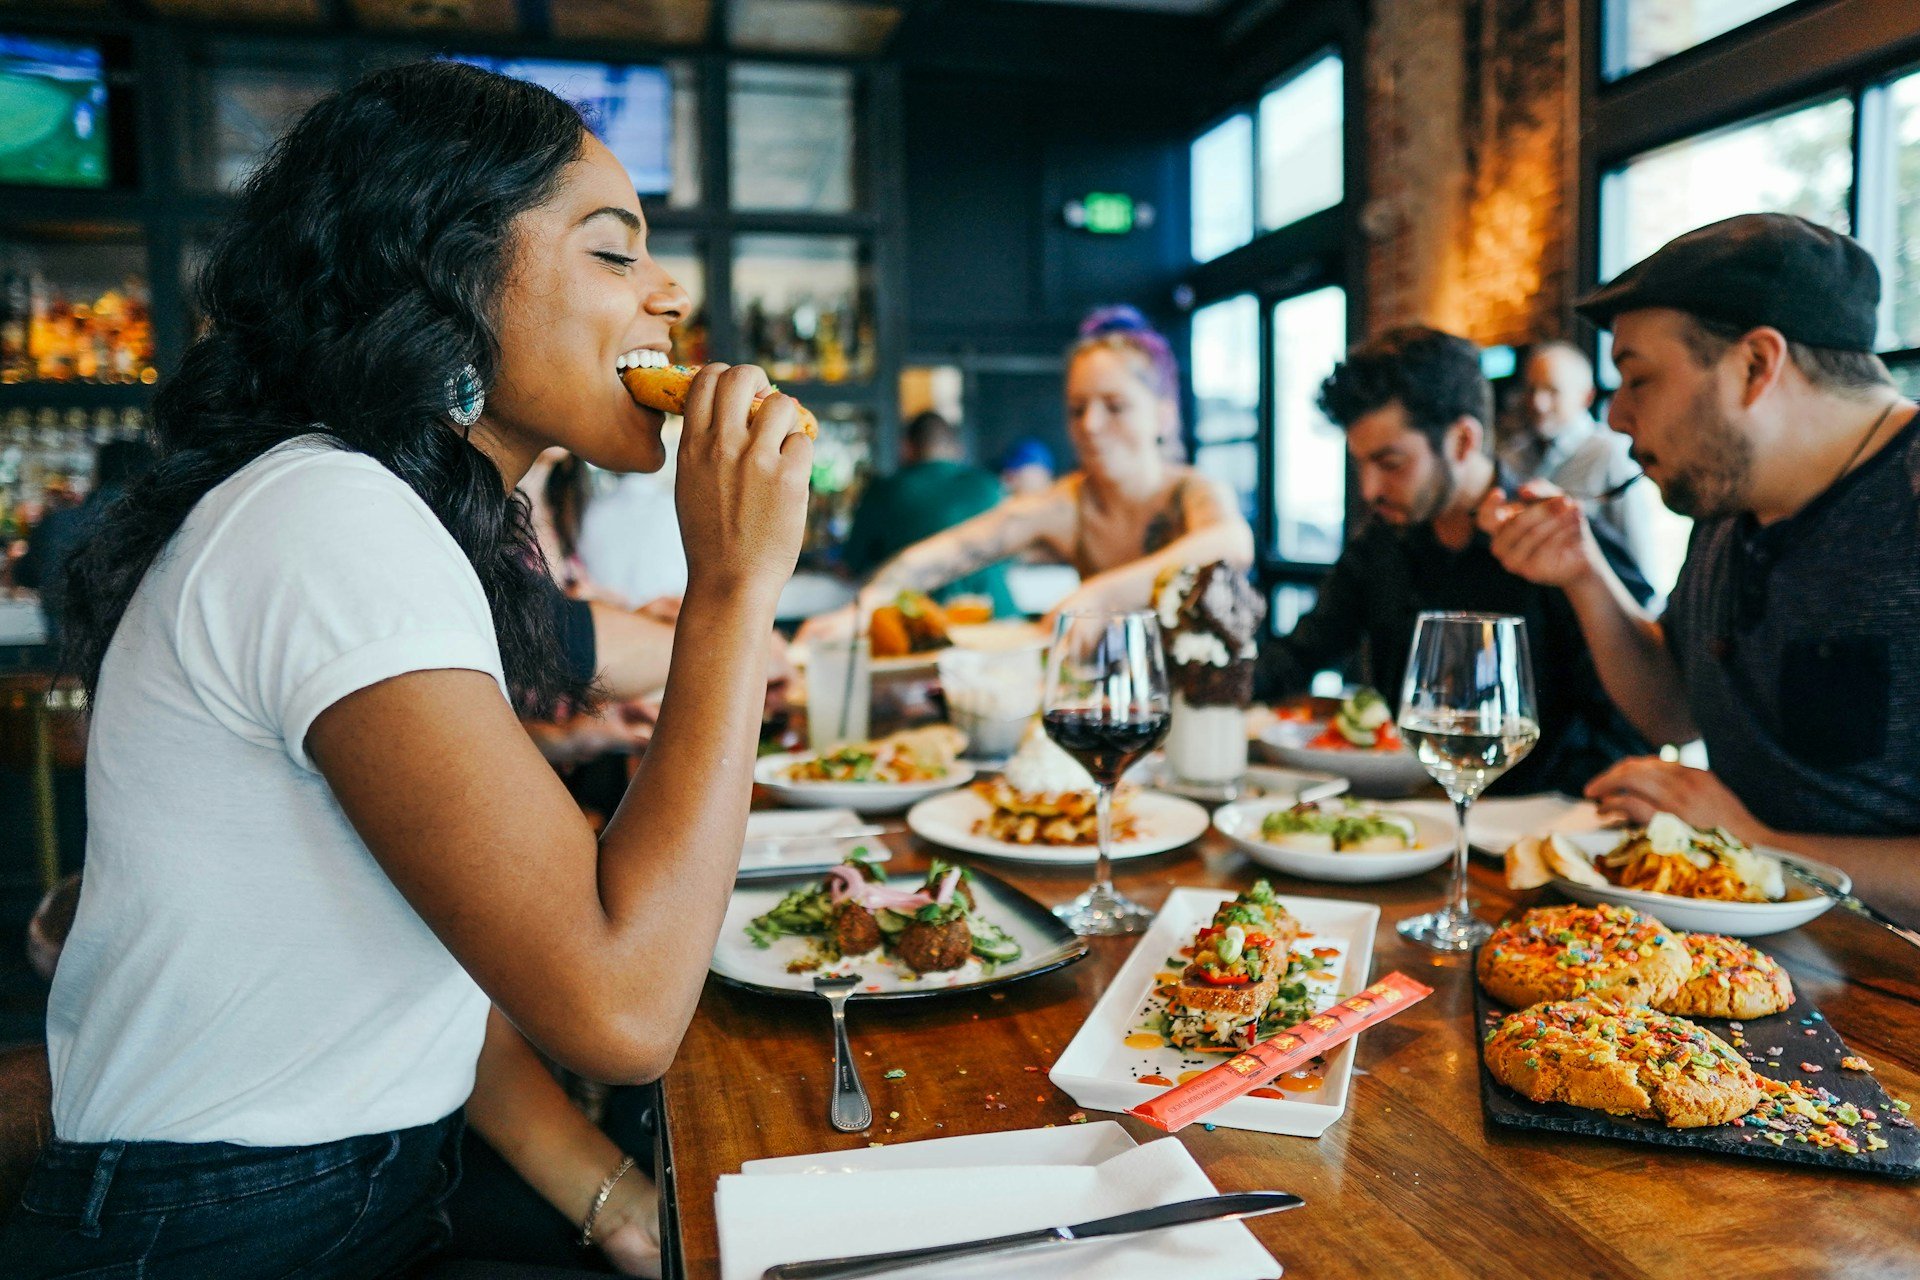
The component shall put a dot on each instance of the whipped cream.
(1041, 766)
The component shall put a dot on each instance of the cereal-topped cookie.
(1627, 1061)
(1729, 980)
(1610, 953)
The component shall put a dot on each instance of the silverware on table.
(1208, 1209)
(850, 1111)
(856, 832)
(827, 843)
(1849, 901)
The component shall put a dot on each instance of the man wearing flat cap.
(1791, 643)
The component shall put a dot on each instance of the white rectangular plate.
(1100, 1070)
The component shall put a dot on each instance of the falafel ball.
(855, 931)
(935, 948)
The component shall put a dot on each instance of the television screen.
(53, 113)
(630, 108)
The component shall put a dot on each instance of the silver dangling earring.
(465, 396)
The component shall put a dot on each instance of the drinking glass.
(1106, 705)
(839, 692)
(1467, 711)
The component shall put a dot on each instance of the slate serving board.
(1801, 1035)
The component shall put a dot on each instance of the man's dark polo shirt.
(1387, 577)
(1799, 643)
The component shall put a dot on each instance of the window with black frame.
(1272, 319)
(1846, 156)
(1848, 159)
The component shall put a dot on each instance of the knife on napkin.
(1245, 1204)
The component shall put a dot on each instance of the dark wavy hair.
(364, 266)
(1434, 376)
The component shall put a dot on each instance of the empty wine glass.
(1467, 711)
(1106, 705)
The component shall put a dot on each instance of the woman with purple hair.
(1127, 513)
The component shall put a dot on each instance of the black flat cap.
(1814, 285)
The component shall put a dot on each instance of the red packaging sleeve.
(1266, 1061)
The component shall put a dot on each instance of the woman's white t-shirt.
(241, 969)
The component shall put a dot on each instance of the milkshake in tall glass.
(1210, 616)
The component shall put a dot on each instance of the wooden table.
(1411, 1181)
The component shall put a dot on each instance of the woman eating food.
(1127, 514)
(319, 842)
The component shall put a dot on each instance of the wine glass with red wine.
(1107, 704)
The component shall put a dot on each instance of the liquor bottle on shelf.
(832, 352)
(16, 311)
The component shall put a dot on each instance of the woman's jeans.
(356, 1209)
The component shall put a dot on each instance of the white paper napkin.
(782, 838)
(774, 1218)
(1498, 821)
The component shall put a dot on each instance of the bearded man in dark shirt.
(1791, 643)
(1415, 407)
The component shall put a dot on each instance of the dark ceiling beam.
(535, 18)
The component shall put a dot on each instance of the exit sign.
(1108, 213)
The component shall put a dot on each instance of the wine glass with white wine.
(1467, 711)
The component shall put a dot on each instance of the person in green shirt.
(934, 489)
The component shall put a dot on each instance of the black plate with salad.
(909, 936)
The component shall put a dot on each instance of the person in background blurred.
(1567, 447)
(1027, 467)
(630, 539)
(933, 489)
(43, 567)
(1414, 405)
(1124, 516)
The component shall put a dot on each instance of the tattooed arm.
(1016, 525)
(1199, 526)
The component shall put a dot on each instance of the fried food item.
(934, 946)
(1624, 1061)
(1729, 980)
(1671, 857)
(913, 623)
(1608, 953)
(665, 388)
(855, 931)
(1049, 817)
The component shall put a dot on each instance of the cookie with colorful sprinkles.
(1626, 1061)
(1730, 980)
(1605, 953)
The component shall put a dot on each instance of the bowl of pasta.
(1701, 881)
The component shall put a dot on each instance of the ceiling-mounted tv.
(630, 108)
(53, 113)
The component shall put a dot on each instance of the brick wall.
(1472, 163)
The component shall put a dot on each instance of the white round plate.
(1163, 822)
(1259, 782)
(1383, 774)
(1706, 915)
(861, 797)
(1240, 823)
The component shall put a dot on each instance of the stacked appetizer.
(1239, 962)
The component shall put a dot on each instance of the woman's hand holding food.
(741, 490)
